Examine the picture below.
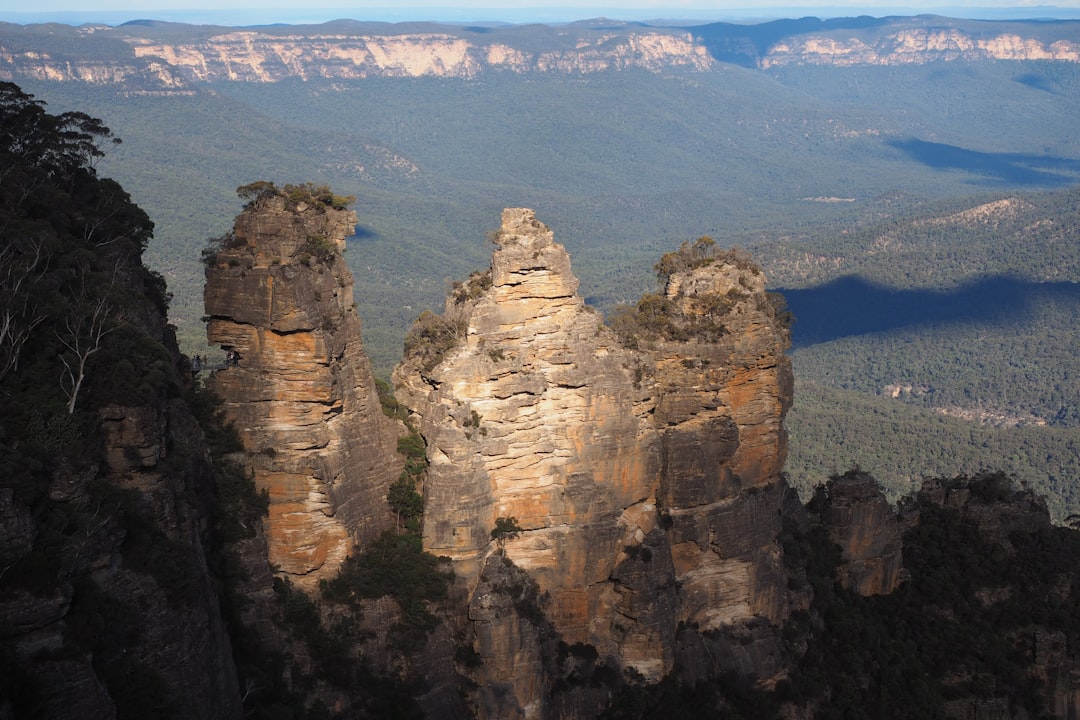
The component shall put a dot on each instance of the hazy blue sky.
(267, 11)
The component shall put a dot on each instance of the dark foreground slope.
(982, 623)
(108, 602)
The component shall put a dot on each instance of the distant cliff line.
(169, 56)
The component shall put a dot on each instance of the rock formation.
(638, 489)
(856, 516)
(610, 497)
(144, 58)
(297, 385)
(722, 393)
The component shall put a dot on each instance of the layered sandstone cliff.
(637, 489)
(299, 388)
(173, 59)
(260, 57)
(911, 46)
(342, 51)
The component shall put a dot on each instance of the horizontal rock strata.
(300, 391)
(638, 488)
(145, 59)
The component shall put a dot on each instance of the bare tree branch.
(17, 320)
(84, 331)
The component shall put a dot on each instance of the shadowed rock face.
(301, 395)
(645, 480)
(868, 531)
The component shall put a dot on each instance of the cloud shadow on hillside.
(745, 45)
(1042, 171)
(852, 305)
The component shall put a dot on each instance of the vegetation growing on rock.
(106, 499)
(667, 315)
(308, 194)
(430, 338)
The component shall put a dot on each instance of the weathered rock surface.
(857, 517)
(301, 395)
(720, 410)
(126, 610)
(645, 481)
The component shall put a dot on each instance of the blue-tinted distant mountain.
(149, 54)
(867, 40)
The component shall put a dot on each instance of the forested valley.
(919, 219)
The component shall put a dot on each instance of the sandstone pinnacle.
(643, 472)
(298, 387)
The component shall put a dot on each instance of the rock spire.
(632, 476)
(297, 385)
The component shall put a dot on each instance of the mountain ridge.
(164, 56)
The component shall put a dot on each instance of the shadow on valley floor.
(1043, 171)
(852, 305)
(363, 233)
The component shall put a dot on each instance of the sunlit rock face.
(644, 480)
(301, 393)
(719, 413)
(534, 415)
(144, 59)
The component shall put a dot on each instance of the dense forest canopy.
(71, 307)
(841, 182)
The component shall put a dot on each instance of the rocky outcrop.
(856, 516)
(298, 387)
(637, 488)
(720, 409)
(534, 415)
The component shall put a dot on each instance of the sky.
(247, 12)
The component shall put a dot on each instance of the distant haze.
(241, 12)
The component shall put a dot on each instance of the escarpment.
(633, 476)
(177, 60)
(297, 385)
